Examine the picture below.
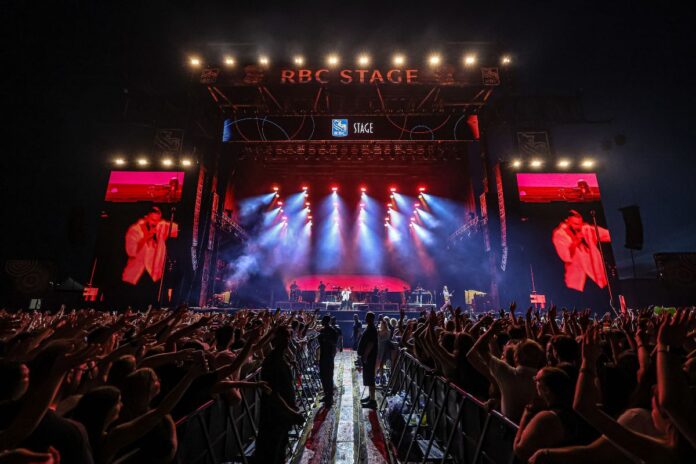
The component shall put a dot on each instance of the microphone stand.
(604, 262)
(166, 256)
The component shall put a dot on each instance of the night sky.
(74, 71)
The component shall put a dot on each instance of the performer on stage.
(419, 294)
(294, 291)
(383, 295)
(375, 295)
(577, 244)
(322, 291)
(447, 295)
(345, 298)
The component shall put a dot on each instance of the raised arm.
(639, 447)
(126, 433)
(673, 393)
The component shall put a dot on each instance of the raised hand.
(673, 330)
(552, 312)
(70, 360)
(591, 349)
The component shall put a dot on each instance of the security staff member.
(328, 339)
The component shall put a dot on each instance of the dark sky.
(67, 65)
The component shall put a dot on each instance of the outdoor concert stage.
(373, 179)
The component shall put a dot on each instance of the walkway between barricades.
(346, 433)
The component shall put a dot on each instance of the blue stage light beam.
(368, 230)
(253, 205)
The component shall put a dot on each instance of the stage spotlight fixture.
(421, 189)
(517, 163)
(587, 163)
(275, 188)
(563, 163)
(332, 59)
(363, 189)
(536, 163)
(410, 224)
(263, 60)
(362, 205)
(305, 188)
(119, 161)
(470, 60)
(399, 59)
(143, 162)
(280, 203)
(386, 224)
(434, 59)
(334, 189)
(229, 61)
(363, 60)
(285, 218)
(298, 60)
(186, 162)
(194, 61)
(506, 59)
(167, 162)
(393, 189)
(307, 204)
(309, 217)
(416, 205)
(390, 206)
(387, 218)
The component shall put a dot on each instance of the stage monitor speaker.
(634, 227)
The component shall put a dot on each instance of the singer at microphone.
(145, 244)
(577, 245)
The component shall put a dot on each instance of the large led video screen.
(568, 187)
(136, 256)
(564, 243)
(154, 186)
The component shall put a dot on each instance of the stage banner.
(503, 217)
(168, 141)
(446, 75)
(197, 218)
(533, 143)
(490, 76)
(264, 128)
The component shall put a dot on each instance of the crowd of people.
(97, 387)
(87, 386)
(582, 389)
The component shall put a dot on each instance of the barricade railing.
(429, 419)
(217, 432)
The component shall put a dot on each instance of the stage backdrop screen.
(154, 186)
(137, 253)
(568, 187)
(564, 237)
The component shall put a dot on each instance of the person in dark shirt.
(278, 410)
(328, 340)
(367, 350)
(357, 329)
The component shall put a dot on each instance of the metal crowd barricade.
(441, 422)
(217, 432)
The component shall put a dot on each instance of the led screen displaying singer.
(146, 247)
(577, 245)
